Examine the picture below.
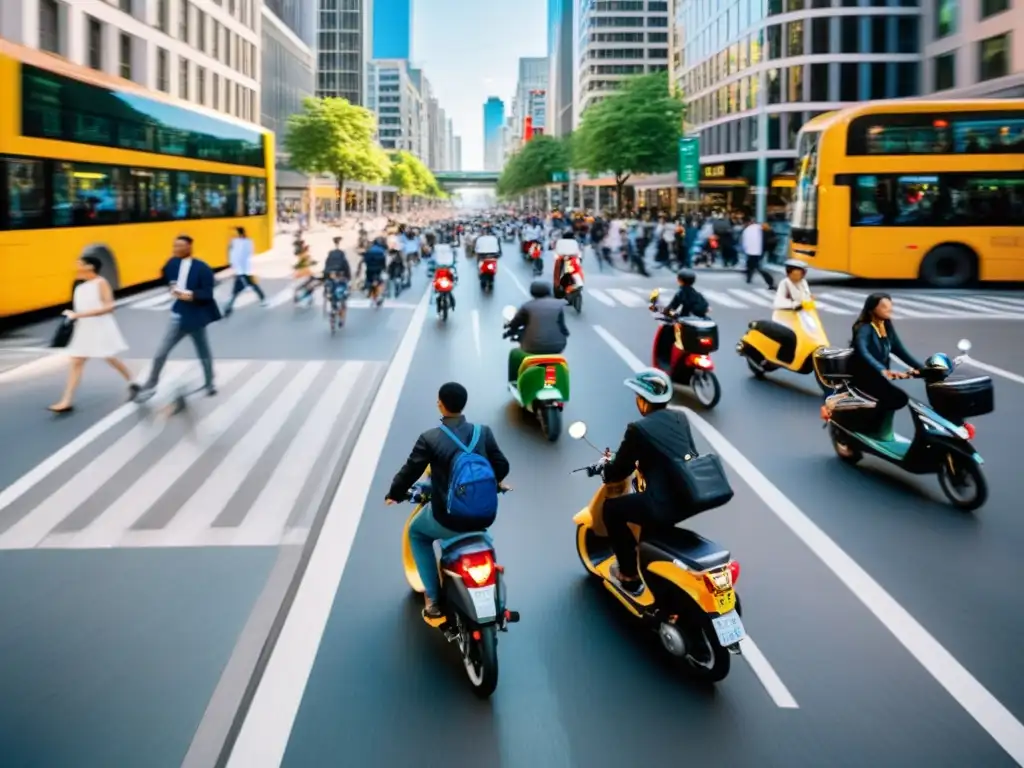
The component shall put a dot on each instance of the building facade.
(287, 70)
(753, 72)
(200, 51)
(344, 38)
(974, 48)
(561, 67)
(456, 153)
(392, 29)
(533, 78)
(394, 96)
(620, 38)
(494, 122)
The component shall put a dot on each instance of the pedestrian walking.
(240, 254)
(752, 242)
(95, 333)
(192, 284)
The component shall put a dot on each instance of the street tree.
(534, 165)
(334, 136)
(635, 130)
(411, 177)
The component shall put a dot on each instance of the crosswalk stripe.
(723, 299)
(752, 297)
(930, 307)
(36, 525)
(1004, 302)
(626, 298)
(207, 503)
(830, 309)
(898, 312)
(833, 298)
(105, 529)
(281, 297)
(284, 486)
(601, 296)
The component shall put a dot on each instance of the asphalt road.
(856, 582)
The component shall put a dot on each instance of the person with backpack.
(688, 301)
(466, 473)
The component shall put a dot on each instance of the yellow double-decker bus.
(913, 190)
(92, 163)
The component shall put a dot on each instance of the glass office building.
(343, 48)
(287, 61)
(494, 140)
(561, 71)
(754, 71)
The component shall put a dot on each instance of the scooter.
(789, 340)
(690, 597)
(536, 255)
(568, 275)
(444, 282)
(472, 596)
(488, 268)
(941, 443)
(542, 386)
(682, 349)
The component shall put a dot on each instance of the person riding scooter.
(652, 445)
(566, 248)
(793, 291)
(443, 262)
(688, 301)
(542, 322)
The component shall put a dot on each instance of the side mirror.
(508, 313)
(577, 430)
(653, 298)
(964, 345)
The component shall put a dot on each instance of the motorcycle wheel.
(848, 453)
(479, 657)
(709, 662)
(551, 423)
(963, 483)
(333, 315)
(706, 388)
(581, 542)
(755, 368)
(577, 302)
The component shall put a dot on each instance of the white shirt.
(791, 295)
(240, 255)
(752, 240)
(183, 270)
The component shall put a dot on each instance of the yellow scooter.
(789, 340)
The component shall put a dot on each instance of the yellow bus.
(92, 163)
(913, 190)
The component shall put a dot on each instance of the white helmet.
(652, 385)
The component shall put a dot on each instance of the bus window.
(26, 194)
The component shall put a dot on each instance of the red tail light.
(490, 266)
(700, 361)
(734, 571)
(971, 431)
(706, 341)
(443, 284)
(549, 376)
(477, 569)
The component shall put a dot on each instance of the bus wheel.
(108, 265)
(949, 266)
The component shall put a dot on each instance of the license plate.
(729, 629)
(483, 602)
(725, 602)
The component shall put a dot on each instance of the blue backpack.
(472, 488)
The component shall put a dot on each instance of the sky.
(469, 50)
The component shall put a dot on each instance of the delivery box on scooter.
(699, 337)
(960, 399)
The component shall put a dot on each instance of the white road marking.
(518, 284)
(281, 297)
(971, 695)
(993, 370)
(625, 297)
(52, 361)
(475, 324)
(766, 673)
(264, 734)
(751, 297)
(601, 296)
(722, 299)
(927, 304)
(898, 312)
(161, 299)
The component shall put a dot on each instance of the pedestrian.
(240, 254)
(192, 283)
(95, 333)
(752, 242)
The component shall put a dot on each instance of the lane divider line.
(971, 695)
(475, 323)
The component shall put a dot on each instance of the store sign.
(689, 162)
(713, 171)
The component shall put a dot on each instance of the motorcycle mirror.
(964, 345)
(508, 313)
(653, 298)
(577, 430)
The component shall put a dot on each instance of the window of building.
(907, 34)
(878, 79)
(775, 7)
(49, 24)
(880, 34)
(849, 37)
(125, 5)
(774, 87)
(125, 58)
(908, 80)
(182, 77)
(215, 87)
(821, 3)
(163, 17)
(850, 3)
(775, 41)
(992, 7)
(774, 132)
(215, 39)
(819, 82)
(820, 35)
(163, 79)
(849, 82)
(794, 5)
(944, 68)
(200, 30)
(946, 17)
(201, 85)
(795, 37)
(994, 57)
(94, 42)
(656, 6)
(796, 85)
(183, 31)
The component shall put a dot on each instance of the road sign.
(689, 162)
(560, 176)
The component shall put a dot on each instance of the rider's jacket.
(435, 449)
(543, 324)
(649, 445)
(375, 259)
(688, 301)
(337, 262)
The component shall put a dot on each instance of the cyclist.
(375, 261)
(337, 274)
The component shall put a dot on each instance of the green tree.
(336, 137)
(411, 177)
(534, 165)
(635, 130)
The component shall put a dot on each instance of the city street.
(145, 556)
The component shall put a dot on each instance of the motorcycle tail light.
(734, 571)
(719, 581)
(706, 341)
(700, 361)
(477, 569)
(490, 266)
(971, 431)
(443, 284)
(549, 376)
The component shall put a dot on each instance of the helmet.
(539, 289)
(652, 385)
(939, 362)
(795, 264)
(686, 276)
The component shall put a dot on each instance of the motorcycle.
(690, 598)
(444, 282)
(568, 274)
(682, 349)
(542, 386)
(536, 256)
(509, 234)
(472, 596)
(488, 268)
(941, 443)
(789, 340)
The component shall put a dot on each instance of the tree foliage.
(411, 177)
(635, 130)
(334, 136)
(534, 165)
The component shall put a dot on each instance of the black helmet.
(686, 276)
(539, 289)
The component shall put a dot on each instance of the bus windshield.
(805, 202)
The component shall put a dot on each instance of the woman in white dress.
(95, 334)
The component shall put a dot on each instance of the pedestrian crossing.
(244, 468)
(834, 301)
(162, 301)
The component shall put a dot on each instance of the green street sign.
(689, 162)
(559, 177)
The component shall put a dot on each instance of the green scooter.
(542, 387)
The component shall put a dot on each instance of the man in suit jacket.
(192, 284)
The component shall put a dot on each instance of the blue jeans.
(423, 532)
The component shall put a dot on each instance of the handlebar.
(420, 494)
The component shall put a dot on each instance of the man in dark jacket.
(650, 445)
(688, 301)
(543, 327)
(434, 449)
(375, 261)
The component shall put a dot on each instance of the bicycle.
(335, 303)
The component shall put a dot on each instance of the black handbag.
(62, 336)
(702, 482)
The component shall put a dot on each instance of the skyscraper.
(286, 60)
(560, 68)
(533, 81)
(343, 50)
(494, 121)
(392, 29)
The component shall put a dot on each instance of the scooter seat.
(691, 549)
(466, 544)
(535, 360)
(780, 334)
